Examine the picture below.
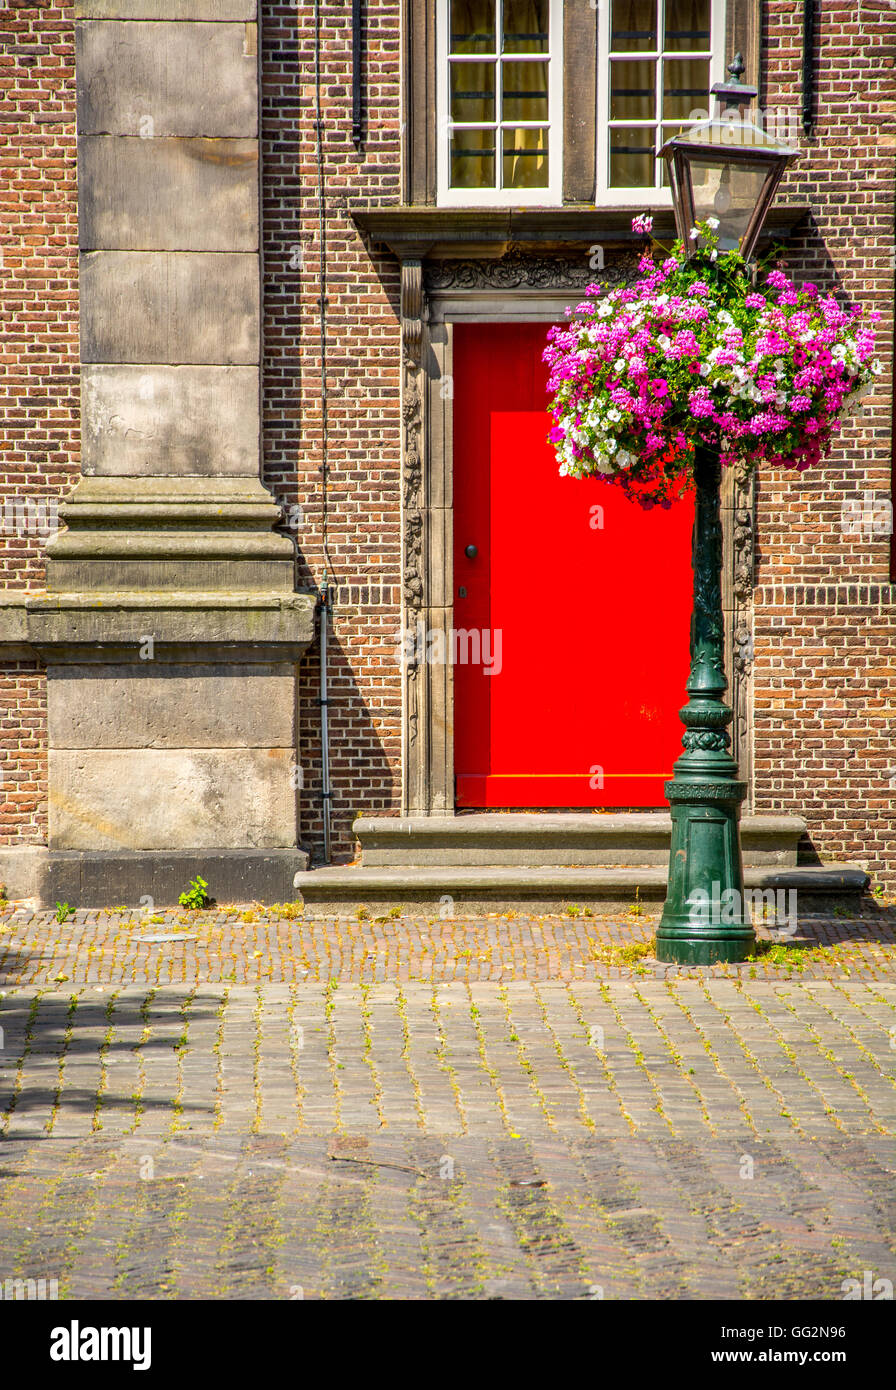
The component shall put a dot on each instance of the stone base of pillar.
(172, 732)
(151, 878)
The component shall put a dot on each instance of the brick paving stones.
(482, 1108)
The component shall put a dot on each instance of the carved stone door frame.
(435, 295)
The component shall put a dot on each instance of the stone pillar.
(169, 626)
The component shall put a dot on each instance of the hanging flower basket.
(693, 353)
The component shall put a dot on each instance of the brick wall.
(825, 622)
(825, 705)
(39, 438)
(362, 383)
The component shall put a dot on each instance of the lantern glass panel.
(730, 192)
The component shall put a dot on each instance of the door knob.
(471, 552)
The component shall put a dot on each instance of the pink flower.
(755, 301)
(643, 225)
(701, 402)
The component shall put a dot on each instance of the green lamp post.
(728, 169)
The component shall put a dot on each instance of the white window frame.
(658, 196)
(552, 195)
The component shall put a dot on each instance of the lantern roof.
(728, 137)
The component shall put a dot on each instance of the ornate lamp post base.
(705, 918)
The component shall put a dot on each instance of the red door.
(571, 618)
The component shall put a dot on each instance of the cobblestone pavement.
(255, 1105)
(255, 943)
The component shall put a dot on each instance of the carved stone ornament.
(517, 270)
(412, 425)
(743, 554)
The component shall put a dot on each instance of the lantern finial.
(735, 93)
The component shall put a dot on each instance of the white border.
(642, 197)
(552, 196)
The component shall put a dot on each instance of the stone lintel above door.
(486, 233)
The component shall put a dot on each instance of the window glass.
(685, 87)
(472, 26)
(687, 26)
(525, 91)
(632, 160)
(525, 26)
(633, 26)
(472, 92)
(656, 78)
(473, 159)
(633, 91)
(525, 158)
(499, 93)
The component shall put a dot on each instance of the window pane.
(633, 26)
(685, 87)
(472, 26)
(687, 26)
(633, 91)
(472, 92)
(525, 91)
(473, 159)
(632, 157)
(525, 158)
(525, 26)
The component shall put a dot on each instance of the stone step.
(554, 840)
(503, 888)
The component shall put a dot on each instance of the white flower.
(712, 222)
(877, 366)
(619, 364)
(713, 255)
(693, 234)
(614, 415)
